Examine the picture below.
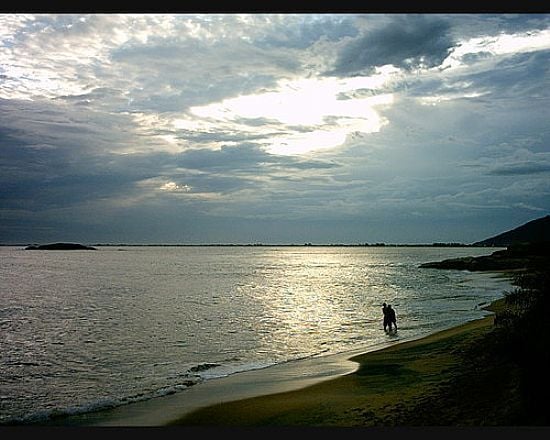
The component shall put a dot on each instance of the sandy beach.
(489, 372)
(374, 388)
(394, 386)
(271, 380)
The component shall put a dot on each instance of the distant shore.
(376, 245)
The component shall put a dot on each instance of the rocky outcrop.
(521, 256)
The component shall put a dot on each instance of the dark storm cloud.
(519, 169)
(52, 157)
(77, 130)
(238, 158)
(35, 179)
(408, 41)
(247, 158)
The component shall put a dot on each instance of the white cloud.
(436, 99)
(173, 187)
(503, 44)
(310, 112)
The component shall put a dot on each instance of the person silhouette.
(386, 316)
(392, 319)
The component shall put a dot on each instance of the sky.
(272, 128)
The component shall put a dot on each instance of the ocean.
(82, 331)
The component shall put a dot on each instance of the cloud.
(249, 158)
(489, 25)
(407, 41)
(517, 162)
(303, 31)
(524, 168)
(305, 115)
(79, 129)
(168, 127)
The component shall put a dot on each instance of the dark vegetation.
(522, 337)
(504, 378)
(504, 375)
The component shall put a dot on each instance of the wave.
(59, 414)
(202, 367)
(190, 377)
(187, 316)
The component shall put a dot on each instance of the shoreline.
(163, 411)
(216, 394)
(314, 405)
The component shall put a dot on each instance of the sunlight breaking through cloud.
(173, 186)
(312, 110)
(337, 127)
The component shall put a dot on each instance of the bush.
(522, 334)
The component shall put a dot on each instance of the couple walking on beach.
(389, 317)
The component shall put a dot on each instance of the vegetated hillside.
(527, 246)
(535, 231)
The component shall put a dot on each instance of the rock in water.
(61, 247)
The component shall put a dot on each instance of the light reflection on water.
(83, 329)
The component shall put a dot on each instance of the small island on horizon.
(534, 231)
(60, 247)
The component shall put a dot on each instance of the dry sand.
(386, 383)
(388, 386)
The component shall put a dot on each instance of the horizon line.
(258, 244)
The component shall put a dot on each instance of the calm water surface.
(84, 330)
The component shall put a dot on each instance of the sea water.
(88, 330)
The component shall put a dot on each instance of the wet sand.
(279, 378)
(384, 384)
(236, 399)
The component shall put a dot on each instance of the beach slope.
(431, 381)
